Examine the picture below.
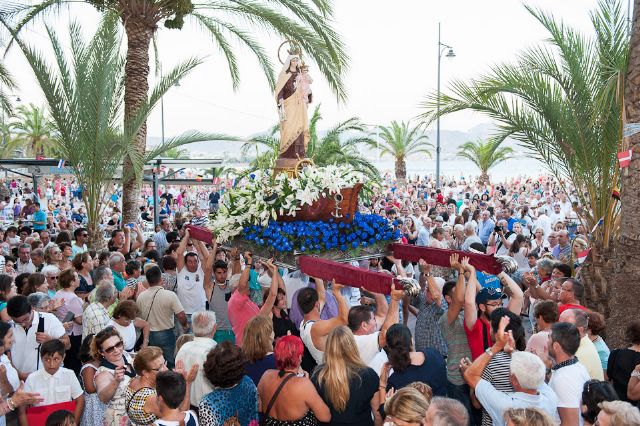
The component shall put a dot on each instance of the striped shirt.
(498, 374)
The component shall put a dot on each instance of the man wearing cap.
(478, 306)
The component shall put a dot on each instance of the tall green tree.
(401, 141)
(339, 145)
(485, 155)
(563, 102)
(84, 91)
(32, 127)
(307, 23)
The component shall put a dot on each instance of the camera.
(497, 229)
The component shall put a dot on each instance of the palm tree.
(177, 154)
(85, 95)
(563, 101)
(402, 140)
(34, 129)
(307, 24)
(335, 146)
(6, 83)
(8, 144)
(485, 155)
(627, 245)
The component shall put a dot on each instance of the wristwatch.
(488, 352)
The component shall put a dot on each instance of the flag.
(615, 193)
(582, 256)
(624, 158)
(600, 222)
(61, 164)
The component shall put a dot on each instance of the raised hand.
(468, 267)
(336, 286)
(396, 294)
(502, 336)
(454, 261)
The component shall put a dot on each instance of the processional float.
(307, 217)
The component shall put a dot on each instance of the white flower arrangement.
(261, 199)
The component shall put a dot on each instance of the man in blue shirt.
(39, 218)
(485, 227)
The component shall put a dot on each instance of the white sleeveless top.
(305, 335)
(127, 333)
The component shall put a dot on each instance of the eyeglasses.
(54, 278)
(110, 349)
(163, 365)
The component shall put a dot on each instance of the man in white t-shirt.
(190, 280)
(363, 323)
(31, 330)
(568, 375)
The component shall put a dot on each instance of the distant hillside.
(450, 140)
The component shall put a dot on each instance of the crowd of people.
(161, 328)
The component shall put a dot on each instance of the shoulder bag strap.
(276, 393)
(152, 300)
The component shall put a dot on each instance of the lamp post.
(441, 48)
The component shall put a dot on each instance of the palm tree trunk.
(139, 34)
(401, 172)
(624, 291)
(484, 178)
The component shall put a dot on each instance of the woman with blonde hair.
(527, 417)
(406, 407)
(257, 344)
(618, 413)
(344, 382)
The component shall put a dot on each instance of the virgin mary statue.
(293, 94)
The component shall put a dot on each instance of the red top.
(479, 337)
(566, 306)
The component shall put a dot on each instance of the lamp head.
(450, 54)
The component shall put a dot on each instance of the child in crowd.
(94, 408)
(61, 418)
(171, 387)
(53, 382)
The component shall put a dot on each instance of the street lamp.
(441, 49)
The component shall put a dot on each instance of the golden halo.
(294, 50)
(305, 162)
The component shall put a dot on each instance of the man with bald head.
(587, 353)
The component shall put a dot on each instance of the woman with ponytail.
(345, 383)
(427, 366)
(287, 396)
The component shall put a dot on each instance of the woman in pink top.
(242, 308)
(69, 282)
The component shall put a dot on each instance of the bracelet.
(10, 404)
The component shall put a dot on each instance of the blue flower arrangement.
(317, 236)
